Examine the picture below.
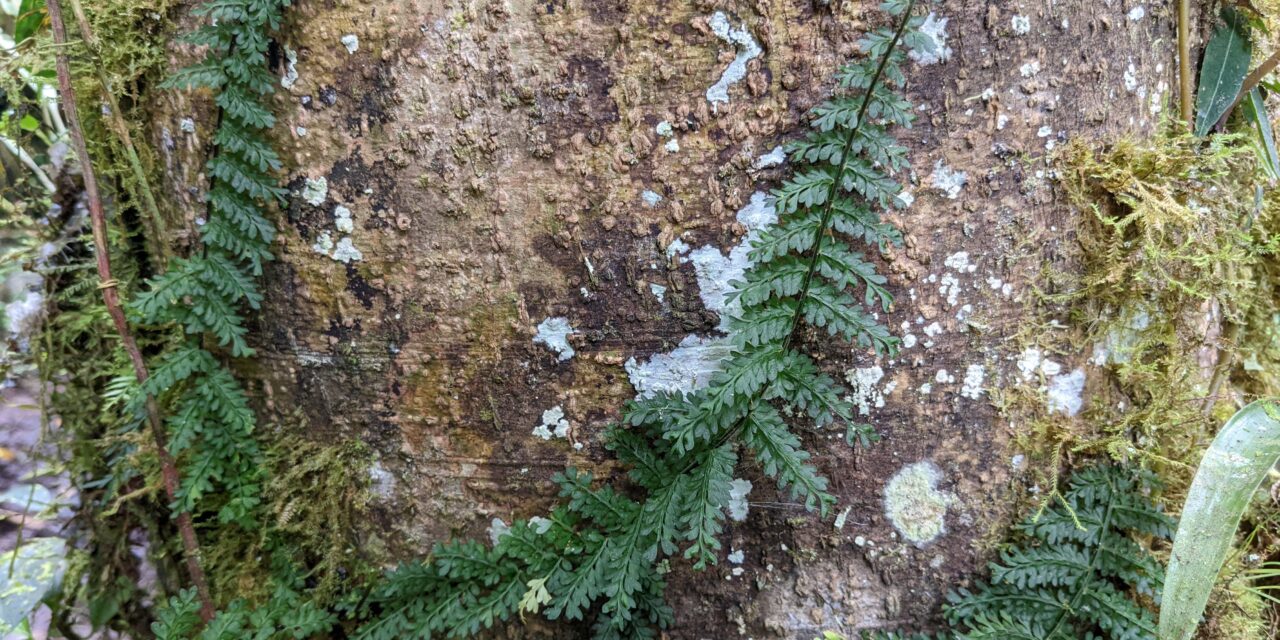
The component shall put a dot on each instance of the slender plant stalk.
(1184, 63)
(111, 298)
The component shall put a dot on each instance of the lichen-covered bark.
(488, 165)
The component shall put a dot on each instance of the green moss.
(1173, 287)
(317, 508)
(1174, 290)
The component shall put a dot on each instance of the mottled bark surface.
(494, 157)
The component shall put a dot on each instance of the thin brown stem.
(111, 298)
(1185, 90)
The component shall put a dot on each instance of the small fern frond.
(1074, 580)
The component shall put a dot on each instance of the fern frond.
(1073, 581)
(681, 448)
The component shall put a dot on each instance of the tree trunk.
(464, 170)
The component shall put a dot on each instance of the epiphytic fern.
(1080, 572)
(206, 294)
(1077, 575)
(597, 555)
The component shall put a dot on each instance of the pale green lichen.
(915, 505)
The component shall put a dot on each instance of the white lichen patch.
(1029, 69)
(342, 219)
(651, 198)
(934, 28)
(736, 557)
(677, 247)
(772, 159)
(664, 129)
(554, 424)
(658, 291)
(739, 489)
(315, 190)
(863, 393)
(974, 376)
(1131, 78)
(716, 272)
(687, 368)
(672, 146)
(948, 180)
(1137, 13)
(960, 262)
(346, 252)
(323, 243)
(1021, 25)
(1122, 340)
(290, 68)
(1032, 362)
(950, 288)
(539, 524)
(351, 41)
(747, 49)
(942, 377)
(497, 529)
(554, 333)
(915, 505)
(1066, 393)
(187, 125)
(381, 482)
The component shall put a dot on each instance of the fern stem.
(111, 298)
(834, 190)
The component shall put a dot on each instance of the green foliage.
(602, 553)
(1226, 62)
(210, 421)
(287, 614)
(1236, 463)
(1079, 571)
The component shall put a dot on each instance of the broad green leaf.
(1255, 109)
(30, 19)
(1235, 464)
(29, 123)
(1226, 62)
(25, 579)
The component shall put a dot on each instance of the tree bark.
(499, 160)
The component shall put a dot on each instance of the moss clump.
(316, 504)
(1173, 288)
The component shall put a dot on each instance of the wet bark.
(495, 157)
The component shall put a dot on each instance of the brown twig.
(111, 298)
(1184, 63)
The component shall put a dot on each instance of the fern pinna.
(598, 553)
(210, 421)
(1079, 575)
